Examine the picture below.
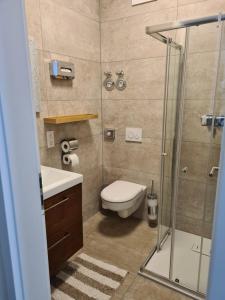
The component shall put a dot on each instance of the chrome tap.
(214, 168)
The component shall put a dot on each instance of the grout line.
(101, 92)
(139, 14)
(49, 52)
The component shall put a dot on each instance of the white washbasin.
(55, 181)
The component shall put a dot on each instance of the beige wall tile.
(91, 192)
(201, 70)
(89, 8)
(190, 225)
(186, 2)
(40, 123)
(195, 156)
(89, 154)
(200, 9)
(55, 108)
(210, 202)
(191, 199)
(33, 16)
(145, 79)
(115, 9)
(192, 129)
(125, 39)
(204, 38)
(120, 114)
(144, 157)
(77, 37)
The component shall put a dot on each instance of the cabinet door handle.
(59, 241)
(59, 203)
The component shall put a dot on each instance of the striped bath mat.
(86, 278)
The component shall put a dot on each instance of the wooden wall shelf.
(69, 119)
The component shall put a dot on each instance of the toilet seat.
(121, 191)
(123, 197)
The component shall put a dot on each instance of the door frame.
(23, 250)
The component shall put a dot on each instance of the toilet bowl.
(123, 197)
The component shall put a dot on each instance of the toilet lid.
(121, 191)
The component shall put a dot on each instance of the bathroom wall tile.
(111, 174)
(195, 157)
(145, 79)
(147, 115)
(89, 8)
(40, 123)
(91, 192)
(125, 39)
(78, 36)
(115, 9)
(33, 18)
(144, 157)
(186, 2)
(190, 225)
(55, 108)
(220, 88)
(200, 9)
(204, 38)
(210, 202)
(38, 74)
(191, 199)
(85, 85)
(89, 154)
(51, 157)
(192, 129)
(201, 71)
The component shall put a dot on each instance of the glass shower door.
(168, 140)
(214, 161)
(199, 157)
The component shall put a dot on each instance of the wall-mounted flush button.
(109, 134)
(134, 135)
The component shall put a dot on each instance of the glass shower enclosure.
(193, 121)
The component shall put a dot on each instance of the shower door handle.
(211, 173)
(164, 154)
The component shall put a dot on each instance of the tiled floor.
(126, 244)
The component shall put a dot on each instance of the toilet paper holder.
(68, 145)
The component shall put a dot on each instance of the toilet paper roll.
(65, 146)
(71, 159)
(69, 145)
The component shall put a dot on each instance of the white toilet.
(123, 197)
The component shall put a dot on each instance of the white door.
(23, 250)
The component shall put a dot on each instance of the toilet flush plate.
(133, 135)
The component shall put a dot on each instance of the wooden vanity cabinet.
(64, 226)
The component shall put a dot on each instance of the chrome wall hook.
(108, 82)
(121, 84)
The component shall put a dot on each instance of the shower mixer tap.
(184, 170)
(214, 168)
